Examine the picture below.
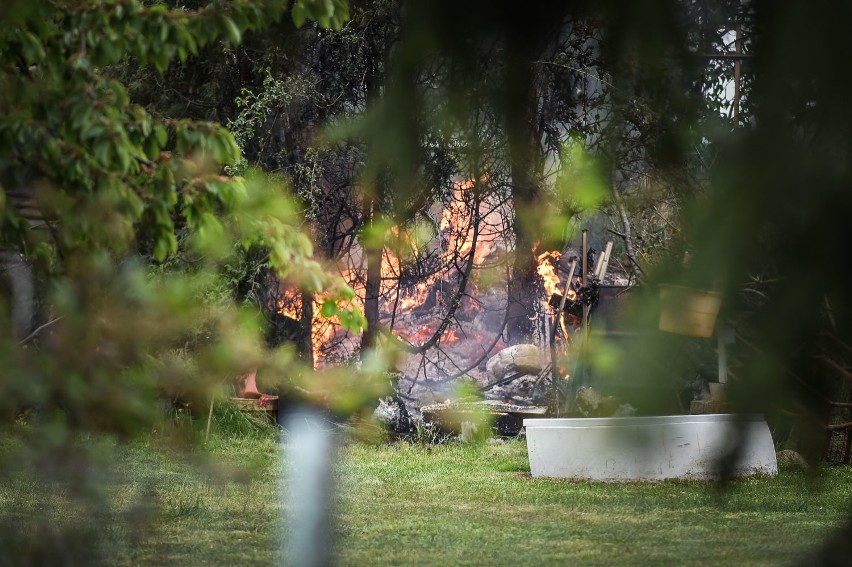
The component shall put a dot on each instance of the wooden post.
(723, 360)
(725, 336)
(557, 318)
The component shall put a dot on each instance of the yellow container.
(688, 311)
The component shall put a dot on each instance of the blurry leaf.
(329, 309)
(580, 181)
(231, 30)
(33, 49)
(345, 292)
(299, 14)
(374, 235)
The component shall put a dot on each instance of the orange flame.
(409, 288)
(547, 271)
(290, 304)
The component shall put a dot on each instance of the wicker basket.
(265, 407)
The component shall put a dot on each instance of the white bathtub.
(648, 448)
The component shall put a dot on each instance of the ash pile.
(514, 390)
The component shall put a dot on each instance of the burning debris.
(393, 412)
(477, 419)
(440, 291)
(526, 376)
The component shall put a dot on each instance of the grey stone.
(524, 359)
(791, 460)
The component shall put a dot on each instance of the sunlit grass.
(476, 505)
(454, 504)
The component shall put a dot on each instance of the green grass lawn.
(458, 504)
(477, 505)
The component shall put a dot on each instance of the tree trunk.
(525, 156)
(522, 296)
(17, 272)
(374, 246)
(305, 340)
(372, 291)
(627, 234)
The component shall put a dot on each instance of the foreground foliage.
(97, 193)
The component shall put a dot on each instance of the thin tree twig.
(39, 329)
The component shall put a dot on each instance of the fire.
(451, 336)
(290, 304)
(547, 262)
(421, 270)
(547, 271)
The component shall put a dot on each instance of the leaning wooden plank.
(598, 265)
(603, 261)
(571, 268)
